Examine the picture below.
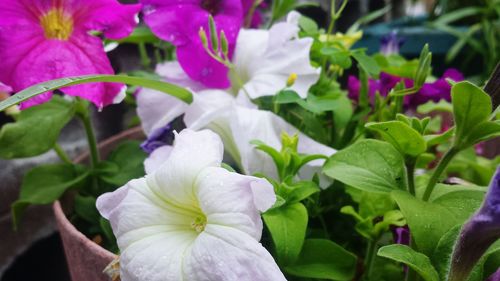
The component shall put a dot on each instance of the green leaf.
(302, 190)
(287, 225)
(482, 132)
(432, 140)
(471, 106)
(44, 87)
(323, 259)
(444, 249)
(370, 165)
(44, 185)
(287, 96)
(338, 56)
(415, 260)
(281, 7)
(368, 63)
(431, 106)
(36, 130)
(86, 209)
(429, 221)
(404, 138)
(273, 153)
(129, 159)
(308, 25)
(141, 34)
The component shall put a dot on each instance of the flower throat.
(57, 24)
(212, 6)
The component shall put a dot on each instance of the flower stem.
(443, 163)
(371, 251)
(143, 52)
(411, 274)
(83, 113)
(62, 155)
(410, 172)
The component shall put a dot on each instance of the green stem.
(62, 155)
(145, 60)
(371, 252)
(443, 163)
(411, 275)
(410, 171)
(84, 115)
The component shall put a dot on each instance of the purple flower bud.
(401, 235)
(477, 235)
(159, 137)
(390, 43)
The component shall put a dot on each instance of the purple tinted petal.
(5, 89)
(437, 90)
(390, 43)
(199, 66)
(401, 235)
(387, 82)
(482, 230)
(159, 137)
(495, 276)
(353, 86)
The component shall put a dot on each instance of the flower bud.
(477, 235)
(203, 37)
(223, 43)
(214, 41)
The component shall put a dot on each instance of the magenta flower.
(41, 40)
(179, 23)
(477, 235)
(433, 91)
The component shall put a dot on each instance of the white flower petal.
(223, 253)
(230, 199)
(156, 257)
(267, 127)
(192, 152)
(265, 59)
(207, 106)
(135, 206)
(172, 72)
(157, 158)
(157, 109)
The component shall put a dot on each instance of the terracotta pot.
(86, 259)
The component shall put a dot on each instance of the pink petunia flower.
(179, 23)
(41, 40)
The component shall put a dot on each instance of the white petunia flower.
(237, 121)
(265, 59)
(191, 219)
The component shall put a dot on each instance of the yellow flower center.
(57, 24)
(199, 223)
(291, 79)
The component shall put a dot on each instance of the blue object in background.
(416, 34)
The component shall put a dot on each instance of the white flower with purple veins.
(191, 219)
(264, 59)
